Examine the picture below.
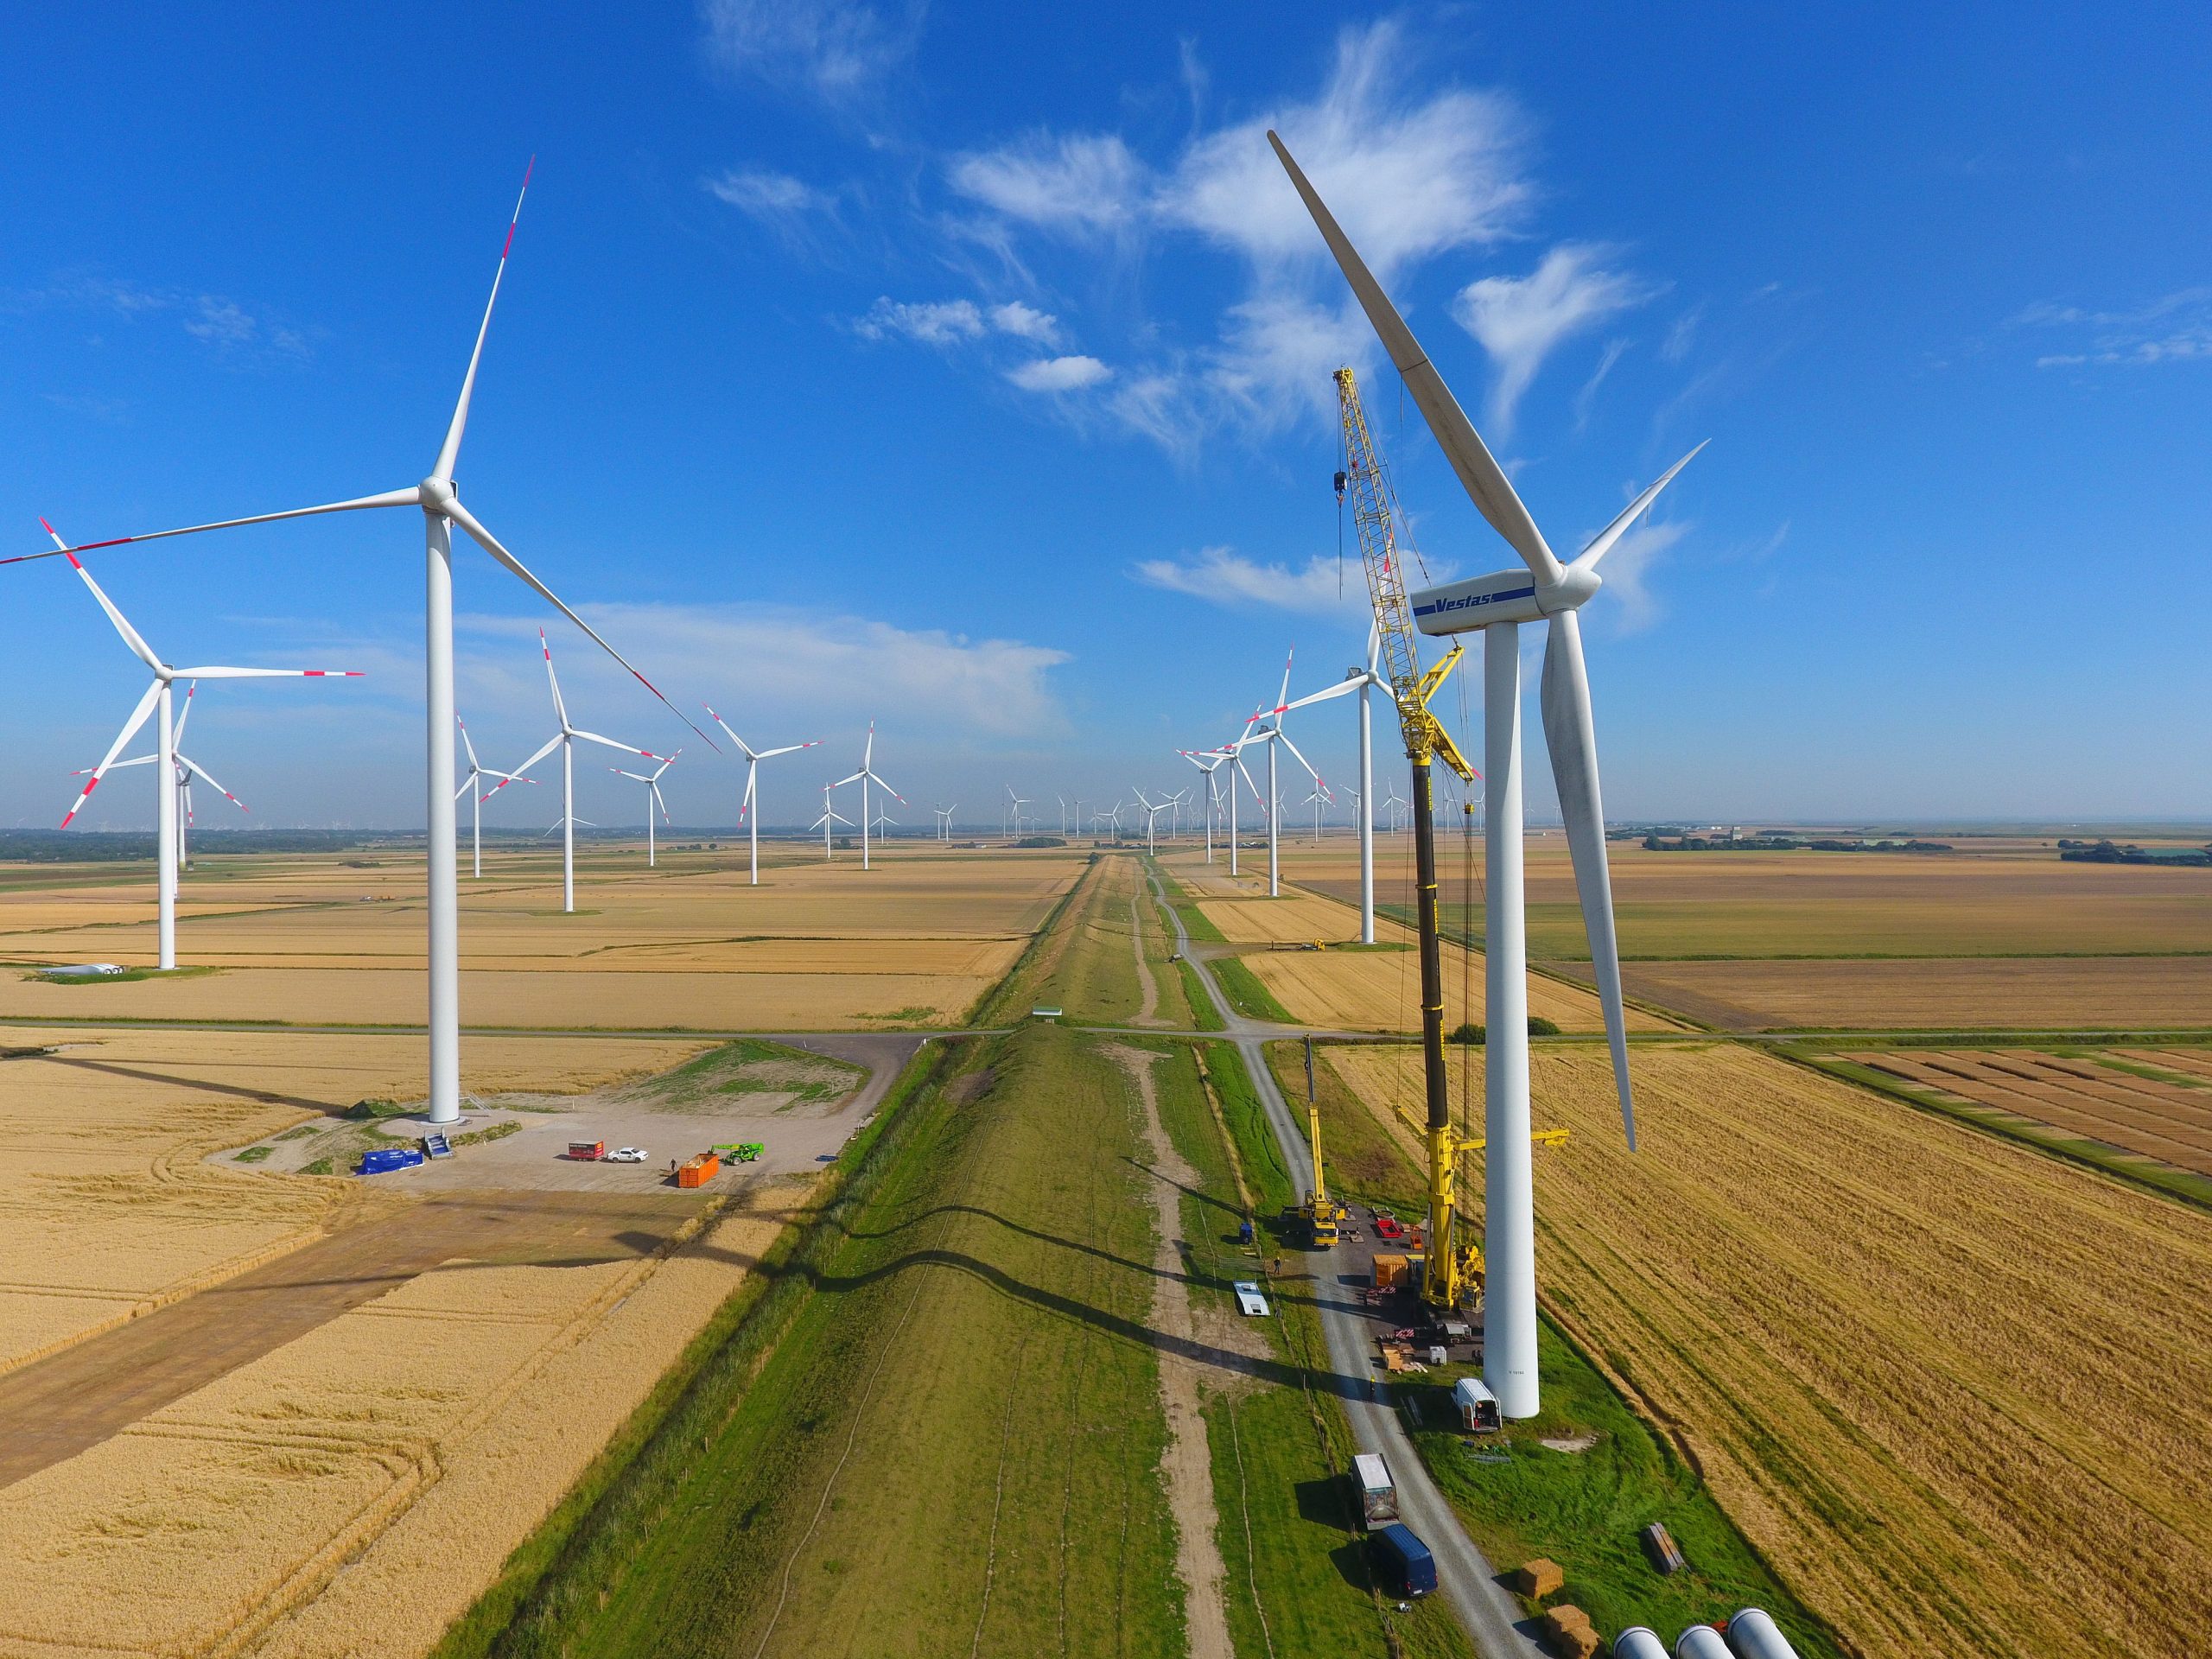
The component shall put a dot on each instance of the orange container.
(699, 1171)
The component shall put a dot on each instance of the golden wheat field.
(2026, 992)
(1990, 898)
(915, 941)
(1364, 990)
(353, 1490)
(2167, 1116)
(1954, 1388)
(107, 1208)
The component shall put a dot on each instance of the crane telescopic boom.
(1452, 1273)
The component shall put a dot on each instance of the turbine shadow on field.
(1203, 1197)
(259, 1096)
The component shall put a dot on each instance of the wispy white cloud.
(1520, 321)
(839, 51)
(933, 322)
(1059, 374)
(795, 212)
(217, 321)
(1224, 576)
(2173, 327)
(1587, 399)
(784, 666)
(1026, 322)
(1681, 334)
(1075, 184)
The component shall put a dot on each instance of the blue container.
(383, 1161)
(1401, 1561)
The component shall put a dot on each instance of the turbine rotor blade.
(1602, 544)
(490, 544)
(465, 743)
(1569, 735)
(409, 497)
(219, 673)
(130, 635)
(139, 717)
(449, 451)
(195, 766)
(1480, 475)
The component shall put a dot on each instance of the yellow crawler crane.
(1454, 1265)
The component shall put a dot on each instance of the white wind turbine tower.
(864, 777)
(748, 809)
(159, 702)
(944, 816)
(472, 784)
(1545, 590)
(1320, 796)
(440, 505)
(565, 740)
(1063, 800)
(651, 781)
(1266, 728)
(1392, 803)
(1016, 802)
(829, 816)
(1364, 681)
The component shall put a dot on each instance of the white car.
(627, 1155)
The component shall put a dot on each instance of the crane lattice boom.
(1375, 516)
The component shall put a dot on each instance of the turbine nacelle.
(1505, 596)
(437, 495)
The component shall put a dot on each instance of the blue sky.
(967, 369)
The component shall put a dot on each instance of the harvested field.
(915, 941)
(107, 1208)
(414, 1441)
(2171, 1121)
(1989, 898)
(2032, 993)
(1952, 1387)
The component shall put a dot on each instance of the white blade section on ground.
(1602, 544)
(1483, 480)
(1569, 735)
(138, 717)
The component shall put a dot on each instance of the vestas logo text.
(1468, 602)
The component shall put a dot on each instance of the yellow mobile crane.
(1323, 1214)
(1454, 1265)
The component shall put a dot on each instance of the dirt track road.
(77, 1398)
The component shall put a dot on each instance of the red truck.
(588, 1152)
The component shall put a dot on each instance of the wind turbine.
(1209, 761)
(159, 702)
(749, 807)
(1391, 804)
(1063, 800)
(1554, 592)
(829, 816)
(1364, 681)
(1320, 796)
(1018, 803)
(186, 768)
(864, 777)
(441, 509)
(1151, 811)
(1266, 728)
(943, 815)
(471, 784)
(651, 781)
(565, 740)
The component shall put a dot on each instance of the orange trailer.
(697, 1172)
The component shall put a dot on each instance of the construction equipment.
(1454, 1263)
(1324, 1215)
(1455, 1146)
